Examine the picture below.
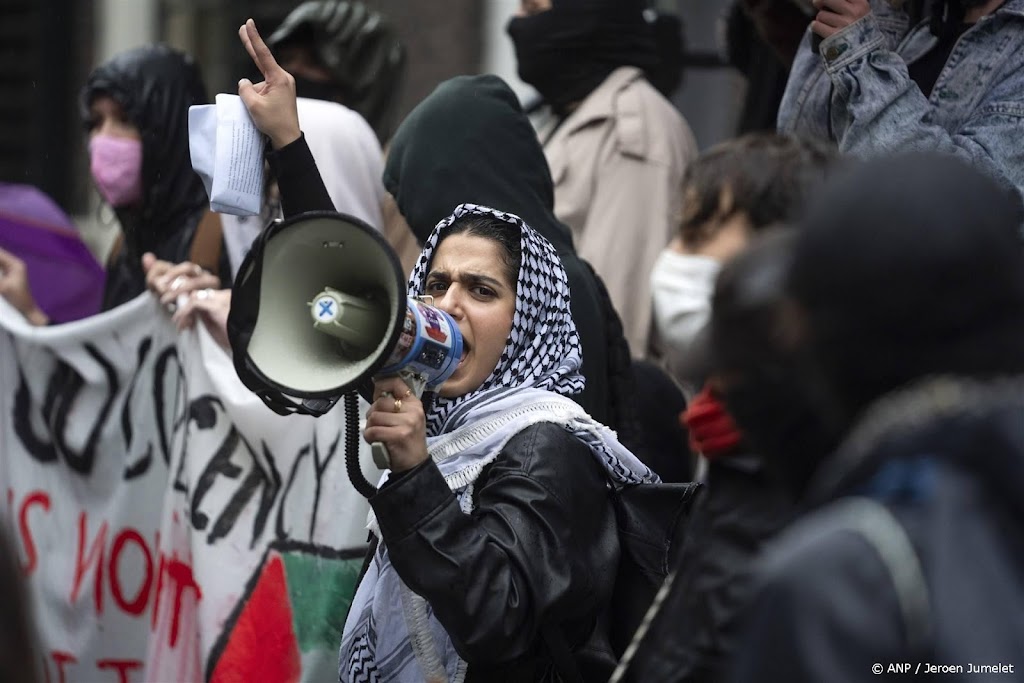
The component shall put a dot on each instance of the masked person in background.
(20, 652)
(875, 77)
(732, 192)
(343, 51)
(135, 113)
(757, 428)
(616, 147)
(906, 298)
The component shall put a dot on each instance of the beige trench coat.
(617, 162)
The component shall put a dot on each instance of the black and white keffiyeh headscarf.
(543, 348)
(390, 633)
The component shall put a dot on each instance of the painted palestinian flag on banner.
(289, 620)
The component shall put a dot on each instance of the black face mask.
(567, 52)
(779, 420)
(318, 90)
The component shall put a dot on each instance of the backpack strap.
(641, 631)
(879, 527)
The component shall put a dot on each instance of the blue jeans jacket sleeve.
(859, 94)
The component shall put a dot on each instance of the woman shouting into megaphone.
(495, 523)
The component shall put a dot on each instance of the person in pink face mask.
(115, 153)
(135, 113)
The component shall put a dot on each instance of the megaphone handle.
(417, 384)
(381, 455)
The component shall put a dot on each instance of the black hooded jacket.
(470, 141)
(155, 85)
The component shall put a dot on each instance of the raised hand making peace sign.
(271, 103)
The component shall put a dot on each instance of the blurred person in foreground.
(877, 77)
(21, 659)
(616, 147)
(905, 300)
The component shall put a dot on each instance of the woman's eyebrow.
(480, 278)
(470, 278)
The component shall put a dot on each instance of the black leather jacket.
(540, 547)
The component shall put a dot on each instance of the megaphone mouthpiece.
(359, 322)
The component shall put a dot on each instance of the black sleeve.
(298, 179)
(526, 554)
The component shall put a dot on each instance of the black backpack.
(652, 520)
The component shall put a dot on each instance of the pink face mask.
(116, 166)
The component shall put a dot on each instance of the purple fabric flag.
(65, 278)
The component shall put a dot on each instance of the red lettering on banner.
(160, 571)
(60, 659)
(123, 666)
(137, 605)
(94, 556)
(181, 574)
(35, 498)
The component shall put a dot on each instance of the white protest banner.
(170, 525)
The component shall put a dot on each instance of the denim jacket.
(858, 94)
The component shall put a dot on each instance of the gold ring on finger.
(398, 405)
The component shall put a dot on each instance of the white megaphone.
(319, 308)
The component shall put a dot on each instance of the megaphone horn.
(319, 307)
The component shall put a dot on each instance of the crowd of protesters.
(820, 323)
